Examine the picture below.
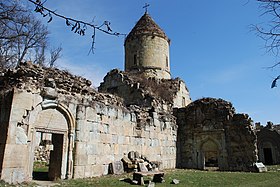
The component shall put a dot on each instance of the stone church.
(139, 109)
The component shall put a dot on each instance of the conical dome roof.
(146, 26)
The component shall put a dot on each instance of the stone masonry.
(96, 128)
(211, 134)
(147, 49)
(269, 143)
(140, 110)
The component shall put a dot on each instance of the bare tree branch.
(21, 35)
(77, 26)
(55, 54)
(270, 33)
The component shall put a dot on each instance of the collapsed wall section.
(136, 89)
(211, 134)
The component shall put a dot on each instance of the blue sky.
(212, 47)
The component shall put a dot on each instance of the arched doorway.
(52, 138)
(268, 153)
(210, 154)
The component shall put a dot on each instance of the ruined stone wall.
(242, 145)
(31, 85)
(269, 144)
(96, 128)
(182, 97)
(136, 89)
(104, 134)
(209, 130)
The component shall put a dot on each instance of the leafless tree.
(22, 36)
(270, 32)
(55, 54)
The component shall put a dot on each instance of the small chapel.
(49, 115)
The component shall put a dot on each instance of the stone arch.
(267, 149)
(209, 153)
(65, 134)
(210, 139)
(52, 104)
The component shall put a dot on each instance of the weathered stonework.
(138, 90)
(211, 134)
(138, 111)
(269, 143)
(91, 129)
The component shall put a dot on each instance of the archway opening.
(50, 146)
(268, 156)
(48, 156)
(211, 158)
(210, 154)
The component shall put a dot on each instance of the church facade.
(140, 109)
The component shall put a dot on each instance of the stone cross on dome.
(146, 7)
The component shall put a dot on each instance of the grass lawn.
(40, 167)
(191, 178)
(187, 178)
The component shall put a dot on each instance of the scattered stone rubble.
(42, 154)
(140, 166)
(175, 181)
(30, 76)
(42, 151)
(136, 162)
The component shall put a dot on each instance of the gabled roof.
(146, 26)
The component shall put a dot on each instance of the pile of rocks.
(42, 154)
(134, 162)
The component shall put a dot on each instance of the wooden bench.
(157, 176)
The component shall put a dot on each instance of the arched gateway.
(55, 120)
(210, 154)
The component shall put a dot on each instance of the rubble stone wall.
(269, 144)
(136, 89)
(101, 130)
(209, 129)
